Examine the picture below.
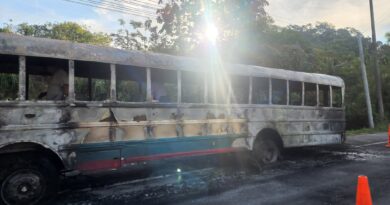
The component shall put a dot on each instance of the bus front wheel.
(266, 151)
(27, 180)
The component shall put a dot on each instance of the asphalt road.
(312, 175)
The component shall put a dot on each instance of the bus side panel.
(148, 150)
(301, 126)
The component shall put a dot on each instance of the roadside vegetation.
(247, 35)
(381, 127)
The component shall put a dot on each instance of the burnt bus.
(75, 108)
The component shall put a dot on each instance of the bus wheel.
(28, 181)
(266, 151)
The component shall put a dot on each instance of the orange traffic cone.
(363, 194)
(388, 136)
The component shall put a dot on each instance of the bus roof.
(13, 44)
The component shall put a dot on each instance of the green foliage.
(379, 127)
(9, 84)
(130, 91)
(132, 36)
(63, 31)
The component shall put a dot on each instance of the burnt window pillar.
(206, 87)
(71, 81)
(229, 91)
(179, 86)
(287, 92)
(303, 93)
(342, 95)
(22, 78)
(113, 83)
(149, 96)
(331, 96)
(318, 95)
(269, 91)
(250, 90)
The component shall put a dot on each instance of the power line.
(107, 7)
(133, 4)
(116, 6)
(140, 3)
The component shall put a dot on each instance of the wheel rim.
(23, 187)
(268, 152)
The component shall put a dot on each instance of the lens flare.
(211, 33)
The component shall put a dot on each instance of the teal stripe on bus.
(152, 149)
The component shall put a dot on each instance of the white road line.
(365, 145)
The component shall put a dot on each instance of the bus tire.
(27, 180)
(266, 151)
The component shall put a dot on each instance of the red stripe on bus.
(115, 163)
(180, 154)
(100, 165)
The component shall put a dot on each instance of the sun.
(211, 33)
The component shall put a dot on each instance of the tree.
(137, 38)
(387, 35)
(183, 25)
(63, 31)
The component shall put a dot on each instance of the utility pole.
(376, 66)
(365, 83)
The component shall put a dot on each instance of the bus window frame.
(71, 100)
(92, 102)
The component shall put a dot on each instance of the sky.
(340, 13)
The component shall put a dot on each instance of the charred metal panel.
(299, 127)
(33, 115)
(131, 114)
(90, 114)
(308, 140)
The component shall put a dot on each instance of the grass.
(380, 127)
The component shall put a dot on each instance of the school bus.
(75, 108)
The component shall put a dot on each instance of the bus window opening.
(164, 85)
(310, 94)
(192, 87)
(324, 95)
(92, 81)
(240, 89)
(279, 92)
(130, 84)
(9, 78)
(336, 96)
(295, 92)
(260, 90)
(47, 78)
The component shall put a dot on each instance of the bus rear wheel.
(266, 151)
(27, 181)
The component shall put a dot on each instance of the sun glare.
(211, 33)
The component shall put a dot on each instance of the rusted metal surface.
(59, 125)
